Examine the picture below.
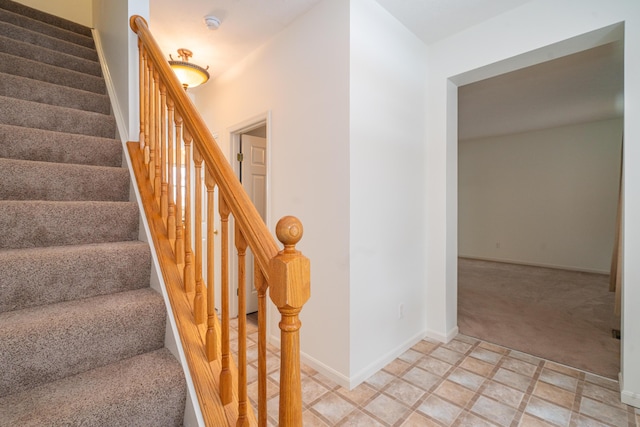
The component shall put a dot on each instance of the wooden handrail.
(243, 211)
(174, 144)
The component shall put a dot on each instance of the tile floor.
(466, 382)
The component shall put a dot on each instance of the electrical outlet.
(498, 245)
(400, 311)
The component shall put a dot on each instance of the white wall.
(301, 77)
(545, 198)
(119, 46)
(501, 44)
(344, 86)
(387, 109)
(79, 11)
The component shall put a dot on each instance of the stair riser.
(28, 180)
(37, 224)
(16, 65)
(44, 17)
(46, 146)
(46, 93)
(18, 112)
(46, 29)
(48, 56)
(38, 39)
(81, 332)
(73, 337)
(34, 277)
(146, 390)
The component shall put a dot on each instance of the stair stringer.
(116, 110)
(192, 414)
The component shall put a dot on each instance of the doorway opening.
(250, 160)
(537, 207)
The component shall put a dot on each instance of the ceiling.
(583, 86)
(247, 24)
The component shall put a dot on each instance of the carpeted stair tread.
(39, 276)
(145, 390)
(51, 342)
(31, 180)
(45, 17)
(81, 332)
(18, 66)
(18, 112)
(48, 56)
(18, 142)
(26, 35)
(47, 93)
(44, 28)
(29, 224)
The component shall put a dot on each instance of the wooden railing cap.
(261, 241)
(134, 25)
(289, 232)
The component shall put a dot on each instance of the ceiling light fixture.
(189, 74)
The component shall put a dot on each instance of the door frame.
(235, 132)
(562, 47)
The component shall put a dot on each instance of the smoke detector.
(212, 22)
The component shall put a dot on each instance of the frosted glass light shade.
(190, 75)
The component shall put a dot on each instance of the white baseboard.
(628, 397)
(444, 338)
(325, 370)
(111, 90)
(535, 264)
(355, 380)
(383, 361)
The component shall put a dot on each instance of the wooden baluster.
(198, 299)
(152, 126)
(188, 276)
(179, 248)
(261, 286)
(225, 373)
(211, 337)
(241, 246)
(164, 184)
(171, 220)
(141, 68)
(147, 113)
(290, 290)
(158, 140)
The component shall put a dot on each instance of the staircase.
(81, 331)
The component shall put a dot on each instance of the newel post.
(289, 279)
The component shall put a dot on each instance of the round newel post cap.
(289, 231)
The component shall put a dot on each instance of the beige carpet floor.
(563, 316)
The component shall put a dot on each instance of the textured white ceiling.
(245, 25)
(432, 20)
(585, 86)
(571, 89)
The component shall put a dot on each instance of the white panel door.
(253, 175)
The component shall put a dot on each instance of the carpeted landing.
(81, 332)
(563, 316)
